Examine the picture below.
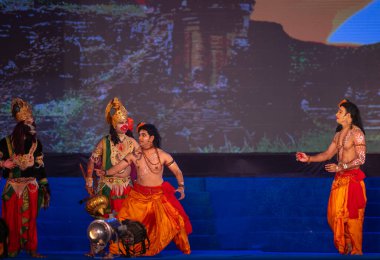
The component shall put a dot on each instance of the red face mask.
(124, 128)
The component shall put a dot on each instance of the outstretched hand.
(302, 157)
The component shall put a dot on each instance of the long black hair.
(353, 110)
(152, 130)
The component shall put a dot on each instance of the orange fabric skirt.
(347, 230)
(164, 221)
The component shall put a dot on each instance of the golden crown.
(115, 112)
(21, 110)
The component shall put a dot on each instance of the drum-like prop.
(100, 232)
(130, 235)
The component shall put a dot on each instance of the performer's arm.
(360, 151)
(116, 168)
(174, 168)
(5, 161)
(95, 158)
(39, 165)
(321, 157)
(40, 174)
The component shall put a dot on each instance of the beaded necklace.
(153, 167)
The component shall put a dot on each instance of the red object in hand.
(300, 155)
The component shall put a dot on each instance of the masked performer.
(110, 151)
(26, 189)
(345, 213)
(151, 200)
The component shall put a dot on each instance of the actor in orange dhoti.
(152, 201)
(345, 212)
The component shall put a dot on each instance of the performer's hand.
(90, 190)
(99, 172)
(332, 167)
(181, 190)
(302, 157)
(46, 194)
(9, 164)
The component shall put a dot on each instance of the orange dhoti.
(345, 213)
(161, 214)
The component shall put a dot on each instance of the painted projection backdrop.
(214, 76)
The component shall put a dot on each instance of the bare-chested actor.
(345, 213)
(152, 201)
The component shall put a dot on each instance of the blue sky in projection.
(361, 28)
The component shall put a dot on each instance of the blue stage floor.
(258, 218)
(212, 254)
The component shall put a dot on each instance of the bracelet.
(308, 159)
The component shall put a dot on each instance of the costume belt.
(346, 176)
(20, 184)
(116, 184)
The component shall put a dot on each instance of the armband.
(170, 163)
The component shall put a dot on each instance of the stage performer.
(152, 201)
(346, 206)
(26, 189)
(110, 151)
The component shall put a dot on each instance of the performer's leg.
(181, 240)
(10, 209)
(31, 214)
(355, 230)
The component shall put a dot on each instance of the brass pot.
(97, 205)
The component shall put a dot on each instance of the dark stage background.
(215, 76)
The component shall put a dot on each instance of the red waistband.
(146, 190)
(357, 174)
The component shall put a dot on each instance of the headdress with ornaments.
(21, 110)
(115, 112)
